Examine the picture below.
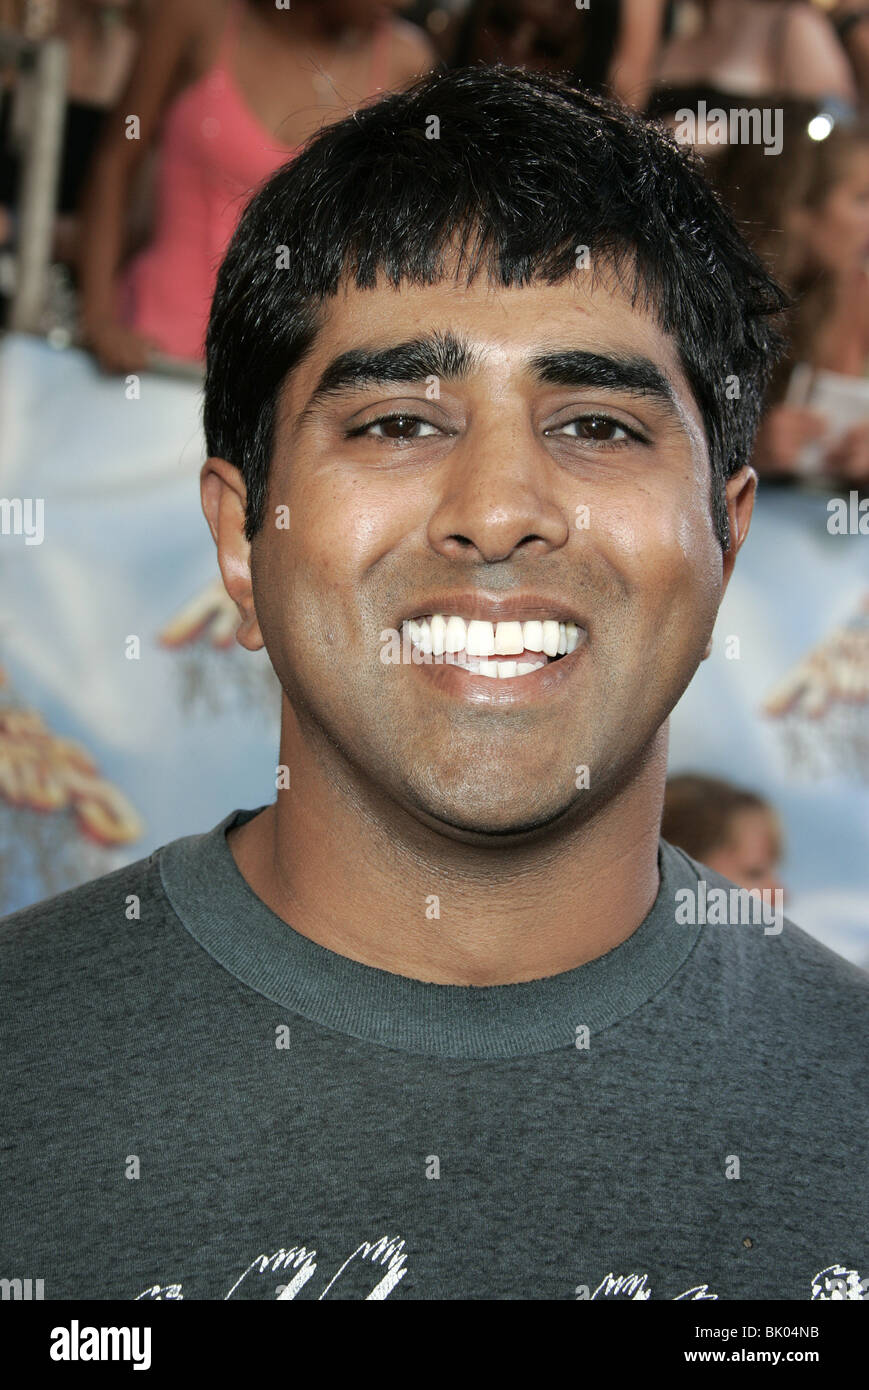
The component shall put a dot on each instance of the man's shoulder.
(776, 957)
(81, 920)
(125, 919)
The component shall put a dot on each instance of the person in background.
(734, 52)
(611, 46)
(806, 212)
(101, 38)
(733, 831)
(231, 89)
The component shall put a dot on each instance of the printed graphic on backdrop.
(821, 703)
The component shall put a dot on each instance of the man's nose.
(500, 492)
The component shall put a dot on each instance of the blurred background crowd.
(131, 134)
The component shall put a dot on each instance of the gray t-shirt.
(201, 1103)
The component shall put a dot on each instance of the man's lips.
(450, 676)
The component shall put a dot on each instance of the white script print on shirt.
(834, 1282)
(375, 1268)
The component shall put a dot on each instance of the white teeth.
(501, 670)
(550, 638)
(508, 639)
(502, 639)
(438, 629)
(456, 634)
(480, 639)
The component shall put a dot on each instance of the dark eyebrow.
(614, 372)
(438, 354)
(450, 359)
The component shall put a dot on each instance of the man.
(448, 1020)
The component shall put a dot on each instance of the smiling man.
(448, 1019)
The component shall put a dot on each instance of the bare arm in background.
(813, 61)
(855, 41)
(166, 37)
(633, 63)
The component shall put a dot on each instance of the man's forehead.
(506, 311)
(503, 327)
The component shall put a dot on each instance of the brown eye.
(400, 427)
(397, 427)
(597, 427)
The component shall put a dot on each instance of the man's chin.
(490, 824)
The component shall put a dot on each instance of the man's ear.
(739, 495)
(224, 500)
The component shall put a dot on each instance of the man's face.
(506, 490)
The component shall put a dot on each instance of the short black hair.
(518, 169)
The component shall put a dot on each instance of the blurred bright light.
(819, 127)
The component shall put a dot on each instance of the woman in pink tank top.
(215, 148)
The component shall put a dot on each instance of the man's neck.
(355, 873)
